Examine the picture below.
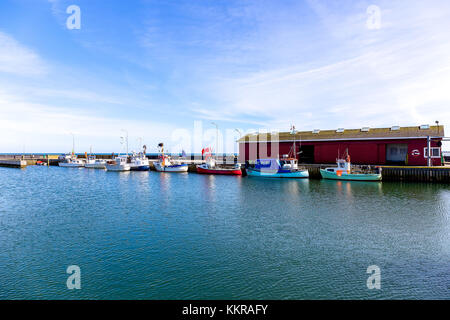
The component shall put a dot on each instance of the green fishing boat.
(343, 171)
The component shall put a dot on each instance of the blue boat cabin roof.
(267, 163)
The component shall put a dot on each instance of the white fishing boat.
(70, 161)
(166, 164)
(120, 163)
(139, 162)
(344, 171)
(93, 163)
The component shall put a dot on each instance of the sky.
(163, 71)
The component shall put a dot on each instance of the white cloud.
(399, 74)
(43, 128)
(17, 59)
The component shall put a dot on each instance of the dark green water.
(147, 235)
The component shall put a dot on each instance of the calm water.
(147, 235)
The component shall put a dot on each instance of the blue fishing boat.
(277, 168)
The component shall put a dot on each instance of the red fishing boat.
(210, 167)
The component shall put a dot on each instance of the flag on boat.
(206, 152)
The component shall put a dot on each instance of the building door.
(306, 154)
(396, 153)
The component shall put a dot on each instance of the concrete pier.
(13, 163)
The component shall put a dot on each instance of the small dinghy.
(343, 171)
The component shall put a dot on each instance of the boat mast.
(294, 146)
(126, 139)
(217, 137)
(73, 143)
(140, 144)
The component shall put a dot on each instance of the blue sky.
(158, 68)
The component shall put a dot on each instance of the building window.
(435, 152)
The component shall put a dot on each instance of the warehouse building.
(379, 146)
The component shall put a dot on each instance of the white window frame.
(425, 153)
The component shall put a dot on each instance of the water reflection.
(348, 189)
(285, 238)
(209, 187)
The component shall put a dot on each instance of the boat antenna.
(126, 139)
(293, 148)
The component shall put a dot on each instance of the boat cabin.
(342, 166)
(121, 160)
(289, 163)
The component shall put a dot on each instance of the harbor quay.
(390, 154)
(434, 174)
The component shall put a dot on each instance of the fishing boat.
(166, 164)
(70, 161)
(277, 168)
(344, 171)
(120, 163)
(211, 167)
(286, 167)
(139, 162)
(93, 163)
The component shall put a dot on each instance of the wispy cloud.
(18, 59)
(398, 74)
(243, 63)
(44, 128)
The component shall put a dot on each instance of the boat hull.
(171, 168)
(221, 171)
(70, 165)
(118, 168)
(95, 166)
(350, 177)
(140, 168)
(300, 174)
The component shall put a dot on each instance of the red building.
(381, 146)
